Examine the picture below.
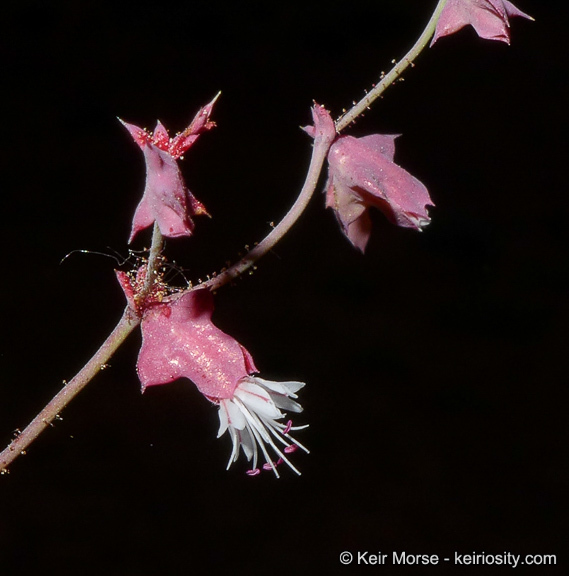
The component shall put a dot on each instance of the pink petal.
(490, 18)
(199, 124)
(160, 136)
(180, 340)
(140, 136)
(166, 199)
(362, 174)
(126, 285)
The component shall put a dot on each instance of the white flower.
(251, 416)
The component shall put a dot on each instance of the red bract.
(490, 18)
(179, 340)
(166, 199)
(361, 175)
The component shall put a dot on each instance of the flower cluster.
(179, 338)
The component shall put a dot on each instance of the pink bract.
(362, 175)
(490, 18)
(179, 340)
(166, 199)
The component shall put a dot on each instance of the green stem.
(19, 445)
(400, 67)
(154, 261)
(319, 152)
(128, 322)
(318, 157)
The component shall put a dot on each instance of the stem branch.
(318, 157)
(128, 322)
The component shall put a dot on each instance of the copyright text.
(367, 558)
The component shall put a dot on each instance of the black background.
(435, 364)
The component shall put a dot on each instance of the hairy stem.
(400, 67)
(154, 261)
(319, 151)
(21, 442)
(128, 322)
(318, 157)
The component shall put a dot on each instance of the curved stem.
(347, 118)
(128, 322)
(318, 156)
(319, 152)
(18, 446)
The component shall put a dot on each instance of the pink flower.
(166, 199)
(490, 18)
(361, 175)
(179, 340)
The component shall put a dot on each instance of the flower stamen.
(251, 416)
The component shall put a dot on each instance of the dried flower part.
(361, 175)
(166, 199)
(490, 18)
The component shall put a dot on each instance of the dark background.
(435, 364)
